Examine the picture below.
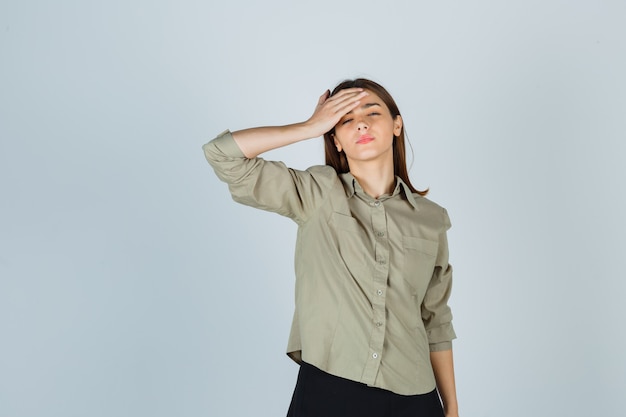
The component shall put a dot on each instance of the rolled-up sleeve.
(436, 313)
(267, 185)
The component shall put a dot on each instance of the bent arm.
(443, 367)
(329, 110)
(270, 185)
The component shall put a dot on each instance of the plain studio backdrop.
(132, 285)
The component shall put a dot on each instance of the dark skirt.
(319, 394)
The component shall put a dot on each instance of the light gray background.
(130, 283)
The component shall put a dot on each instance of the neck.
(375, 178)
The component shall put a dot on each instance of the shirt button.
(380, 234)
(375, 355)
(376, 203)
(382, 262)
(378, 324)
(379, 292)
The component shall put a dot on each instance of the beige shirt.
(372, 275)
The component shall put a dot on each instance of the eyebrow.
(366, 106)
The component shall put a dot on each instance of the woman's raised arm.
(328, 112)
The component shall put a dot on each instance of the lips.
(365, 139)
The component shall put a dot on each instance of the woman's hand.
(330, 110)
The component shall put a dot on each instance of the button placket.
(378, 233)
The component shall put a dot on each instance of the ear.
(397, 125)
(337, 144)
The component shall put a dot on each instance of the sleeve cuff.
(226, 145)
(438, 347)
(441, 334)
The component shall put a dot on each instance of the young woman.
(372, 329)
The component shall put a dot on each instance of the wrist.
(451, 410)
(312, 129)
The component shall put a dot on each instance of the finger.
(347, 95)
(347, 107)
(348, 101)
(348, 91)
(323, 97)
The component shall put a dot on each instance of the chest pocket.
(419, 262)
(351, 243)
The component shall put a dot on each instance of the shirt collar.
(352, 186)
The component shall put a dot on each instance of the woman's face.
(367, 132)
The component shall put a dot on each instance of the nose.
(361, 126)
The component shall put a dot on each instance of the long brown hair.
(338, 160)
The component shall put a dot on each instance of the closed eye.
(345, 122)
